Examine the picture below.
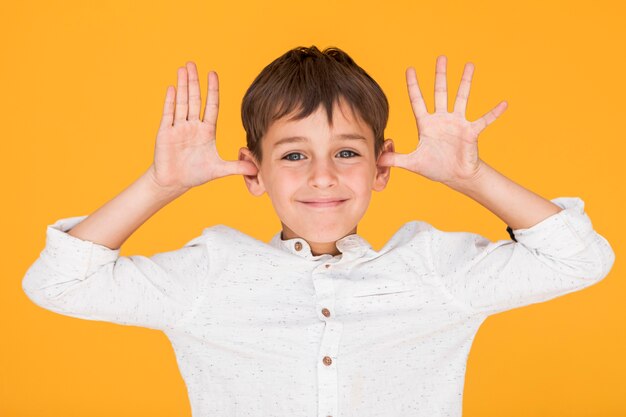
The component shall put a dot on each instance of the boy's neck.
(324, 248)
(317, 248)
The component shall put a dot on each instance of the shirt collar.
(351, 247)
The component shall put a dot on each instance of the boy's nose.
(323, 174)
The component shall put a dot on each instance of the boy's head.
(303, 79)
(321, 100)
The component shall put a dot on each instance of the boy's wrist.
(472, 185)
(159, 192)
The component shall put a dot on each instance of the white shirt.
(264, 329)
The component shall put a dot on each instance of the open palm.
(185, 153)
(448, 143)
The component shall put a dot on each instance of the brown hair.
(305, 78)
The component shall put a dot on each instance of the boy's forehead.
(346, 125)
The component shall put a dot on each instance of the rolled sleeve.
(83, 279)
(74, 257)
(570, 225)
(561, 254)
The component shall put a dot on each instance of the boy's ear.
(382, 173)
(253, 182)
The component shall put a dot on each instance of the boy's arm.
(557, 250)
(515, 205)
(113, 223)
(80, 273)
(185, 156)
(447, 152)
(83, 279)
(558, 255)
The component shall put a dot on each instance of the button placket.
(324, 284)
(327, 369)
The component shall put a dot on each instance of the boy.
(317, 322)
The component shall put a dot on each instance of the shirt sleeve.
(83, 279)
(559, 255)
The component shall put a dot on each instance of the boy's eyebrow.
(292, 139)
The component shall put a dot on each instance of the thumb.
(393, 159)
(240, 168)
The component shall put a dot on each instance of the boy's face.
(301, 175)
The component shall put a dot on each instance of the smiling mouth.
(323, 204)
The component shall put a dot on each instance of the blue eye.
(347, 150)
(293, 153)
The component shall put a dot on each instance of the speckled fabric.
(268, 329)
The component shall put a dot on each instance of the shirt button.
(298, 246)
(327, 265)
(326, 312)
(327, 360)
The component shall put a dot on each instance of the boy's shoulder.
(409, 234)
(422, 235)
(224, 236)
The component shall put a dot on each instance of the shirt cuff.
(74, 257)
(563, 233)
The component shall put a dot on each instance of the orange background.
(83, 84)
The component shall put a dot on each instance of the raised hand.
(447, 151)
(185, 154)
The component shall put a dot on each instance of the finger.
(393, 159)
(239, 168)
(168, 108)
(180, 113)
(415, 94)
(194, 92)
(460, 103)
(441, 88)
(490, 117)
(212, 101)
